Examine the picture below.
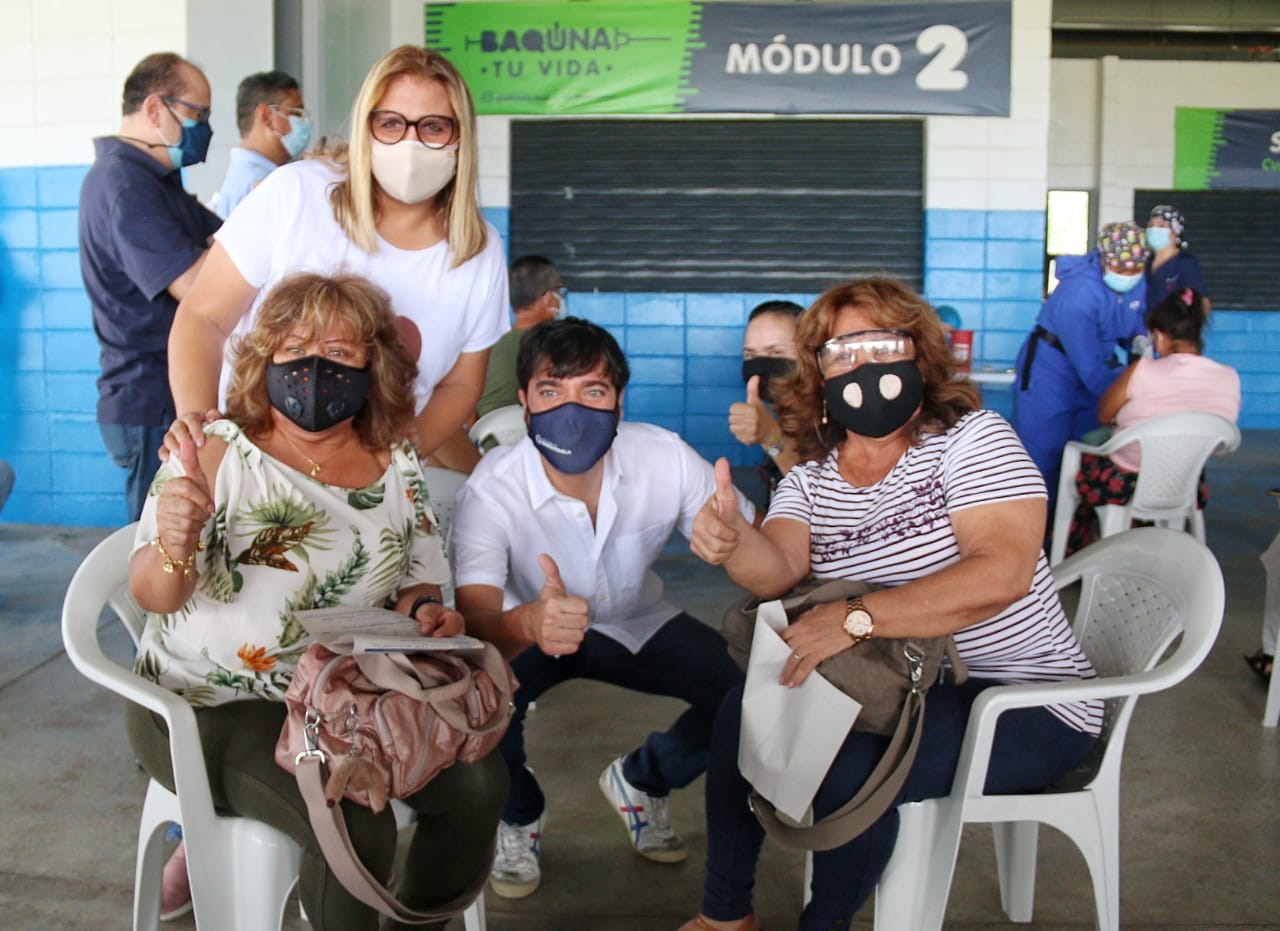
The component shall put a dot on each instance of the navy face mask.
(317, 393)
(768, 368)
(571, 437)
(875, 398)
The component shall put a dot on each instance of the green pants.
(457, 812)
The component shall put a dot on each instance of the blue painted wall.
(684, 348)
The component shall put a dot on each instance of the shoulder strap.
(876, 796)
(331, 832)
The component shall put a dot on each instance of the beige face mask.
(411, 172)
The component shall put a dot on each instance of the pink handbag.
(374, 726)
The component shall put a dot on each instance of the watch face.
(857, 623)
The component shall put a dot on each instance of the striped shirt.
(899, 529)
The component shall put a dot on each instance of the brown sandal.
(700, 923)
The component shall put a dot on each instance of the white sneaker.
(645, 817)
(515, 872)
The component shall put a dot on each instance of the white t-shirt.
(288, 226)
(508, 512)
(899, 530)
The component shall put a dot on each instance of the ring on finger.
(798, 655)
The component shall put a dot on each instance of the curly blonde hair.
(352, 198)
(889, 304)
(314, 304)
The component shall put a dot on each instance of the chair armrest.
(975, 751)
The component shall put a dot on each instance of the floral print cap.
(1173, 216)
(1123, 246)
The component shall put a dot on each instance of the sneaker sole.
(513, 890)
(657, 856)
(664, 856)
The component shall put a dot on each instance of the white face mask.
(411, 172)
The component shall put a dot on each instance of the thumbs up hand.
(184, 505)
(557, 621)
(717, 529)
(750, 421)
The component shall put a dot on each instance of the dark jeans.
(1032, 749)
(135, 449)
(452, 844)
(685, 659)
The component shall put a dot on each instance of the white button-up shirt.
(508, 512)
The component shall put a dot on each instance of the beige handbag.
(888, 677)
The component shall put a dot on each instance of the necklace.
(315, 466)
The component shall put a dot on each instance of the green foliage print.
(217, 581)
(395, 553)
(288, 523)
(366, 499)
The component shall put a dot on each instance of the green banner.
(1197, 134)
(729, 57)
(530, 58)
(1218, 150)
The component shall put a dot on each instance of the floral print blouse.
(278, 542)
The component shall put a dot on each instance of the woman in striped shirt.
(910, 486)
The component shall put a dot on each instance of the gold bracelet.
(170, 564)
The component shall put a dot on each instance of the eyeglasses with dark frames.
(434, 131)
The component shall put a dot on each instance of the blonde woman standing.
(397, 205)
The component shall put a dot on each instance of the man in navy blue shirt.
(142, 239)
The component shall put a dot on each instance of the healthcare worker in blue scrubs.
(1171, 268)
(1079, 345)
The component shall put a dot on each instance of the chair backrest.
(504, 425)
(1140, 590)
(442, 487)
(1175, 448)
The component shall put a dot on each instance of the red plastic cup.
(962, 348)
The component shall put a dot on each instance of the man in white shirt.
(274, 129)
(554, 541)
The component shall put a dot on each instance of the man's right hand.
(188, 427)
(718, 528)
(557, 621)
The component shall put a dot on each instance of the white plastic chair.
(241, 870)
(1139, 591)
(1175, 448)
(505, 425)
(1271, 714)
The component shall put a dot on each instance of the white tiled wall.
(998, 163)
(1113, 120)
(62, 65)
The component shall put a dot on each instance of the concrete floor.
(1200, 827)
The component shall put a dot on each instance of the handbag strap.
(876, 796)
(330, 827)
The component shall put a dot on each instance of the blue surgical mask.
(573, 437)
(1121, 284)
(192, 145)
(296, 140)
(1158, 237)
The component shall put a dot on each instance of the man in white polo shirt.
(554, 541)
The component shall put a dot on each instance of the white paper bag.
(790, 736)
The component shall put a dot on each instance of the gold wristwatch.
(858, 622)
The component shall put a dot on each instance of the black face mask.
(768, 368)
(876, 398)
(317, 393)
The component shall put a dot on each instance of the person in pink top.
(1178, 378)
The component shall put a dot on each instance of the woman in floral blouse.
(306, 496)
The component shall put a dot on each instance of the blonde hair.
(890, 304)
(314, 304)
(352, 198)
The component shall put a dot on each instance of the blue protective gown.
(1181, 271)
(1064, 385)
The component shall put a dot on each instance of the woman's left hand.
(814, 637)
(440, 621)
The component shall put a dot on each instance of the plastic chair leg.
(265, 864)
(1113, 519)
(1016, 863)
(1197, 524)
(158, 808)
(473, 917)
(906, 881)
(1272, 713)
